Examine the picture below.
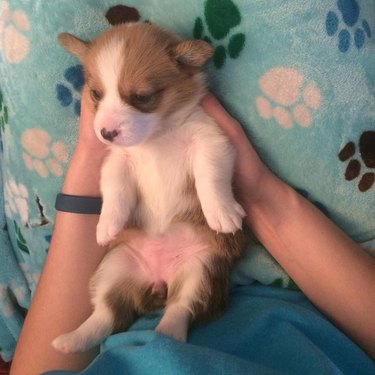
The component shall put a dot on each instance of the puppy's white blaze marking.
(109, 62)
(113, 113)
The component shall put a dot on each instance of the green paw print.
(221, 16)
(21, 242)
(3, 113)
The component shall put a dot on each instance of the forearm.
(336, 275)
(61, 301)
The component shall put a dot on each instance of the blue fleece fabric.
(265, 331)
(299, 75)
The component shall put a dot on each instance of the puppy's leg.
(186, 292)
(113, 298)
(89, 334)
(213, 166)
(119, 196)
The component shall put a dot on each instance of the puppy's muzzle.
(109, 135)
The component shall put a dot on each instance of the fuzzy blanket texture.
(299, 75)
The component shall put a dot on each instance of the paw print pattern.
(361, 160)
(13, 25)
(16, 200)
(41, 155)
(69, 92)
(32, 275)
(221, 16)
(351, 28)
(288, 98)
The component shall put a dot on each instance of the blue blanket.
(266, 331)
(299, 75)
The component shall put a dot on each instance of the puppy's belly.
(157, 257)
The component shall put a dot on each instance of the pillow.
(298, 75)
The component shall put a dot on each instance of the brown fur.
(167, 65)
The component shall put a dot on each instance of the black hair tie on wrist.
(78, 204)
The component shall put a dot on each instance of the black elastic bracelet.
(78, 204)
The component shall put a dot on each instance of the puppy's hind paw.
(69, 343)
(176, 331)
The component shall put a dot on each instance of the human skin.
(61, 301)
(332, 270)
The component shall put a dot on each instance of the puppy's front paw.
(109, 226)
(224, 217)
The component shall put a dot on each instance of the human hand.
(88, 142)
(83, 174)
(250, 172)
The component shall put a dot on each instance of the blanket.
(299, 75)
(266, 331)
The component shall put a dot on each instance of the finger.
(213, 108)
(86, 113)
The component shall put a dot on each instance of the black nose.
(109, 136)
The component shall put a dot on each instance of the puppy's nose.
(109, 135)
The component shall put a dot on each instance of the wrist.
(83, 174)
(270, 204)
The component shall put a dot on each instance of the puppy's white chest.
(161, 172)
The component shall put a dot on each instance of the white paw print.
(41, 155)
(16, 197)
(6, 303)
(13, 42)
(288, 98)
(32, 276)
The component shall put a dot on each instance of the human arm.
(61, 301)
(331, 269)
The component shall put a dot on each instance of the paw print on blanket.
(9, 293)
(16, 200)
(288, 97)
(70, 92)
(41, 155)
(13, 25)
(221, 17)
(348, 25)
(361, 160)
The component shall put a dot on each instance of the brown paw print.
(122, 14)
(361, 158)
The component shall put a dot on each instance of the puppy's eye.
(140, 99)
(95, 95)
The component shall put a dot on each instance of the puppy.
(169, 216)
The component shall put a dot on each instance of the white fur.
(198, 147)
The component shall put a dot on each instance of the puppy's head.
(137, 75)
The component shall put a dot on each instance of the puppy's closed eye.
(96, 95)
(144, 102)
(138, 99)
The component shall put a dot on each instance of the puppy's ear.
(74, 45)
(191, 53)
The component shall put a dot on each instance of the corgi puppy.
(169, 216)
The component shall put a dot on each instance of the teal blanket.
(299, 75)
(266, 331)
